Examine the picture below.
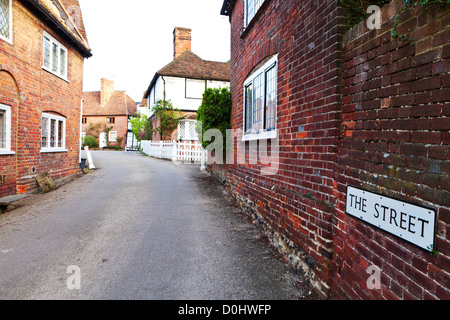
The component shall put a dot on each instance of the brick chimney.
(181, 41)
(107, 90)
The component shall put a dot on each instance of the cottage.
(43, 45)
(183, 82)
(350, 110)
(108, 108)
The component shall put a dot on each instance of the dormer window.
(6, 20)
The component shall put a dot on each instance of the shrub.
(90, 141)
(142, 128)
(215, 112)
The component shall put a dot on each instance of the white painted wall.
(185, 94)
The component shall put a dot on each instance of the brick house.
(184, 81)
(43, 45)
(111, 108)
(352, 112)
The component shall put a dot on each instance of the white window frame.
(186, 135)
(111, 137)
(261, 133)
(250, 14)
(194, 88)
(7, 150)
(48, 148)
(10, 39)
(59, 47)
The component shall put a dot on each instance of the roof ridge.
(180, 58)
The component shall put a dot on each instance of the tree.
(168, 117)
(141, 127)
(215, 112)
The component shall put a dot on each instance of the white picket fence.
(158, 149)
(185, 151)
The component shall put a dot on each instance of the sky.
(131, 40)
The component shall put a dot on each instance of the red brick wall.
(38, 91)
(9, 95)
(356, 108)
(395, 141)
(297, 202)
(120, 125)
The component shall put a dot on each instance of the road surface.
(138, 228)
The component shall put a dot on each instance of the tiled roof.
(118, 104)
(67, 16)
(189, 65)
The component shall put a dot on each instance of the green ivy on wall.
(356, 10)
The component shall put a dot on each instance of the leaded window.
(5, 129)
(5, 19)
(44, 135)
(2, 129)
(47, 44)
(112, 136)
(53, 133)
(271, 98)
(54, 57)
(260, 99)
(251, 8)
(186, 130)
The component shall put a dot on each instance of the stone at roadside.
(45, 182)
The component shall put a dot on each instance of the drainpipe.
(164, 89)
(81, 130)
(164, 99)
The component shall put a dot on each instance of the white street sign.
(413, 223)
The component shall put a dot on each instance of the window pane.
(182, 130)
(252, 7)
(257, 102)
(44, 133)
(250, 10)
(60, 133)
(54, 57)
(192, 132)
(52, 133)
(113, 136)
(46, 52)
(4, 18)
(62, 67)
(271, 98)
(2, 129)
(248, 107)
(195, 88)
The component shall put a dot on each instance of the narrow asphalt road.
(138, 228)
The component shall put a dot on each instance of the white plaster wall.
(175, 89)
